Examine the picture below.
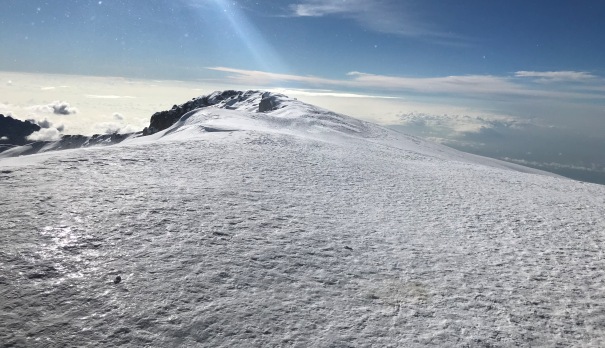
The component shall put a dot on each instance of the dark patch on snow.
(43, 272)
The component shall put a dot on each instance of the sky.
(518, 80)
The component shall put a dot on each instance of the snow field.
(255, 237)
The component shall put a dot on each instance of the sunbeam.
(253, 42)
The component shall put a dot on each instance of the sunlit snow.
(294, 227)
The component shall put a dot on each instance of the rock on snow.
(262, 221)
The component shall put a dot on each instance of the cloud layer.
(557, 76)
(384, 16)
(45, 134)
(49, 131)
(520, 84)
(57, 108)
(453, 125)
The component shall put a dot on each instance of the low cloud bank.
(49, 131)
(57, 108)
(525, 142)
(452, 124)
(45, 134)
(114, 128)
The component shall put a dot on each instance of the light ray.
(254, 43)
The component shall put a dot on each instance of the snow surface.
(294, 227)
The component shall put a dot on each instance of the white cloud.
(56, 107)
(45, 134)
(473, 86)
(63, 108)
(326, 93)
(108, 127)
(45, 123)
(255, 77)
(554, 76)
(318, 8)
(113, 128)
(52, 88)
(109, 96)
(385, 16)
(454, 124)
(449, 84)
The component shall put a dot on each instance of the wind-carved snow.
(290, 228)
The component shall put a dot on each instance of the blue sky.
(327, 38)
(477, 75)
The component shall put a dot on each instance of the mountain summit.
(251, 103)
(232, 100)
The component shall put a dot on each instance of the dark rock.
(14, 132)
(164, 119)
(117, 280)
(268, 103)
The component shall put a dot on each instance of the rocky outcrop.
(250, 100)
(14, 132)
(267, 104)
(164, 119)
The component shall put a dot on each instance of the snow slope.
(294, 227)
